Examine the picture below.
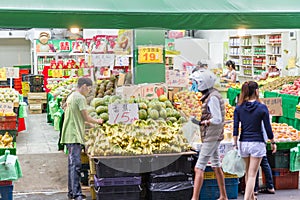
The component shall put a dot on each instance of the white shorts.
(209, 151)
(253, 149)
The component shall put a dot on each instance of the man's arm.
(89, 119)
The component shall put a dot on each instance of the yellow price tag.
(3, 74)
(150, 54)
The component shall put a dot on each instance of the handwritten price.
(124, 118)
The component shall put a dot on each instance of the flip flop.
(267, 191)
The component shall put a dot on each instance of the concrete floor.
(45, 168)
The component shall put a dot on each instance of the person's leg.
(75, 163)
(268, 173)
(254, 163)
(70, 191)
(198, 181)
(216, 165)
(256, 187)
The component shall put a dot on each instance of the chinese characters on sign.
(6, 107)
(150, 54)
(274, 105)
(177, 78)
(122, 113)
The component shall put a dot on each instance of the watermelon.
(153, 114)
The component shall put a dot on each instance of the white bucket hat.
(205, 79)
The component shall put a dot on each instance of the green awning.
(169, 14)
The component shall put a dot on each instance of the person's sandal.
(268, 191)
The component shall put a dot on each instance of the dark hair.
(247, 91)
(82, 81)
(230, 63)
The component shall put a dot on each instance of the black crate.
(84, 173)
(181, 190)
(166, 164)
(170, 177)
(117, 167)
(37, 88)
(26, 77)
(280, 159)
(36, 79)
(130, 192)
(118, 181)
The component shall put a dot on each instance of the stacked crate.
(279, 162)
(170, 178)
(37, 102)
(117, 178)
(210, 188)
(36, 83)
(18, 81)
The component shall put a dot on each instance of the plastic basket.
(295, 159)
(130, 192)
(8, 123)
(6, 192)
(210, 174)
(281, 159)
(119, 181)
(210, 189)
(283, 145)
(170, 177)
(36, 80)
(285, 179)
(117, 167)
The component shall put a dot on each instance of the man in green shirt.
(73, 134)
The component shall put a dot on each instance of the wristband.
(273, 143)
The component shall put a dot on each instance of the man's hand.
(195, 121)
(100, 121)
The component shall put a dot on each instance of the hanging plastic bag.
(191, 132)
(53, 108)
(22, 110)
(57, 118)
(233, 163)
(10, 169)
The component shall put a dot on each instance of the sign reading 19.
(150, 56)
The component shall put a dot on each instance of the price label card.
(122, 113)
(177, 78)
(3, 74)
(6, 107)
(150, 54)
(274, 105)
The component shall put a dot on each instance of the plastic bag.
(10, 169)
(191, 132)
(233, 163)
(53, 108)
(22, 110)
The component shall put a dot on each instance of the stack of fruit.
(6, 141)
(278, 83)
(189, 103)
(64, 88)
(158, 129)
(106, 87)
(229, 112)
(8, 95)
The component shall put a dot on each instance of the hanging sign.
(150, 54)
(3, 74)
(7, 107)
(123, 113)
(121, 60)
(274, 105)
(176, 78)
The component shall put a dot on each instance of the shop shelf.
(280, 159)
(130, 192)
(210, 189)
(6, 192)
(118, 181)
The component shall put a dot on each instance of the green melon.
(153, 114)
(143, 114)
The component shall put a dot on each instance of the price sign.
(177, 78)
(6, 107)
(12, 72)
(274, 105)
(3, 74)
(122, 113)
(150, 54)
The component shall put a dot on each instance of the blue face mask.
(194, 86)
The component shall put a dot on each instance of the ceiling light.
(74, 30)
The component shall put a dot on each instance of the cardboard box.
(35, 111)
(35, 106)
(37, 95)
(149, 91)
(37, 101)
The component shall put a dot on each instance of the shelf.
(234, 55)
(270, 43)
(273, 54)
(259, 55)
(246, 55)
(46, 54)
(246, 65)
(234, 46)
(259, 45)
(246, 76)
(246, 45)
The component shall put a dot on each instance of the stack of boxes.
(37, 102)
(36, 83)
(18, 81)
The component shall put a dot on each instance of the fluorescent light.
(241, 32)
(74, 30)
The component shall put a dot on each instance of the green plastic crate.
(13, 151)
(280, 159)
(283, 145)
(295, 159)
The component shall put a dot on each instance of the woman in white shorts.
(249, 114)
